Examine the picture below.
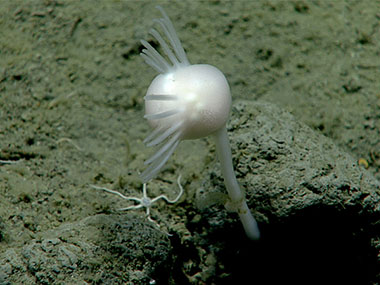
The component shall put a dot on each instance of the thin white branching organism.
(185, 102)
(10, 161)
(144, 201)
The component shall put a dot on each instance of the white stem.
(238, 201)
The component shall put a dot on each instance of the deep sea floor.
(71, 114)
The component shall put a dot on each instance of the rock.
(287, 167)
(316, 207)
(107, 249)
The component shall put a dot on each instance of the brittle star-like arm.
(145, 201)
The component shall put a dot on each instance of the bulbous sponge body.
(203, 100)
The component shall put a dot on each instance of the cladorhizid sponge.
(188, 101)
